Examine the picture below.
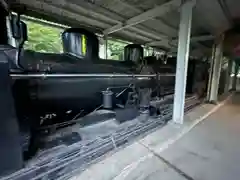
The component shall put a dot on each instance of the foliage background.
(44, 38)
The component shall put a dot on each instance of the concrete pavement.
(205, 147)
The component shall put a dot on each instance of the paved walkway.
(210, 151)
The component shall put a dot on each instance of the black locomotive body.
(64, 92)
(50, 89)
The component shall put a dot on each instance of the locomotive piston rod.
(42, 75)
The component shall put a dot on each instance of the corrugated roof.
(153, 22)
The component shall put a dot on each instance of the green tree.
(116, 49)
(43, 38)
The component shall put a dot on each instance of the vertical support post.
(105, 47)
(234, 84)
(211, 71)
(147, 50)
(216, 71)
(228, 76)
(182, 61)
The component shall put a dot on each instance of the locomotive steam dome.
(80, 43)
(133, 52)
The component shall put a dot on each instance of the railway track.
(63, 161)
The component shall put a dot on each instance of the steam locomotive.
(50, 89)
(60, 89)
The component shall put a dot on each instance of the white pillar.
(182, 61)
(105, 47)
(234, 84)
(228, 75)
(211, 72)
(147, 54)
(216, 71)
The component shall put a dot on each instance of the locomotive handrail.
(43, 75)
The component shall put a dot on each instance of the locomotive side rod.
(42, 75)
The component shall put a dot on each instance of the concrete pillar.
(216, 71)
(234, 84)
(182, 60)
(105, 47)
(211, 72)
(228, 76)
(147, 51)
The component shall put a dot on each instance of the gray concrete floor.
(209, 151)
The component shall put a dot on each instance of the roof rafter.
(126, 4)
(89, 10)
(152, 13)
(36, 4)
(194, 39)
